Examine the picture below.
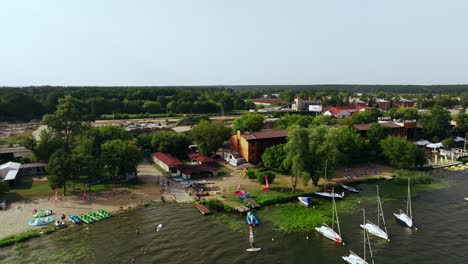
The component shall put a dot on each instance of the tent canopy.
(423, 142)
(434, 145)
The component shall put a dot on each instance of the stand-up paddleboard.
(252, 242)
(158, 228)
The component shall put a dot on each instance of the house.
(251, 145)
(407, 129)
(342, 112)
(232, 157)
(189, 172)
(405, 103)
(166, 161)
(200, 159)
(33, 169)
(300, 105)
(9, 171)
(268, 102)
(382, 104)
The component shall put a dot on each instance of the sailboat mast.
(364, 239)
(378, 207)
(381, 210)
(336, 212)
(408, 204)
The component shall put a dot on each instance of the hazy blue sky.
(196, 42)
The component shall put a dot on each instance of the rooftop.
(265, 134)
(190, 169)
(269, 101)
(200, 158)
(167, 159)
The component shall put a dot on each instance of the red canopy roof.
(200, 158)
(167, 159)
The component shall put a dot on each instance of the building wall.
(161, 164)
(252, 150)
(240, 145)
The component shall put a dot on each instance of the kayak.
(251, 219)
(351, 189)
(59, 223)
(40, 221)
(74, 219)
(87, 219)
(159, 227)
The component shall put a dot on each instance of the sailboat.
(354, 258)
(328, 232)
(373, 228)
(252, 242)
(329, 195)
(406, 218)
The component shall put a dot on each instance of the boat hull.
(350, 189)
(375, 230)
(329, 233)
(354, 259)
(404, 220)
(328, 195)
(307, 201)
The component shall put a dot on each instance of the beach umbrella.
(459, 139)
(423, 142)
(434, 145)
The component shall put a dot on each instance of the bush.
(215, 205)
(416, 177)
(3, 187)
(250, 173)
(277, 199)
(261, 177)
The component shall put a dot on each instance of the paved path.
(149, 174)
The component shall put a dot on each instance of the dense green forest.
(27, 103)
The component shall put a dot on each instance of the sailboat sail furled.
(373, 228)
(406, 219)
(353, 258)
(328, 232)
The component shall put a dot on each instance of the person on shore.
(62, 217)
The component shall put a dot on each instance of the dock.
(202, 209)
(252, 203)
(455, 163)
(242, 209)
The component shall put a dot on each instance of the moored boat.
(329, 195)
(406, 219)
(307, 201)
(40, 221)
(348, 188)
(353, 258)
(328, 232)
(373, 228)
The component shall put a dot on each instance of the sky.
(238, 42)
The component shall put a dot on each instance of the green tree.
(436, 124)
(249, 122)
(209, 136)
(323, 120)
(261, 177)
(288, 120)
(61, 169)
(85, 159)
(407, 113)
(71, 116)
(48, 143)
(350, 145)
(323, 152)
(152, 107)
(462, 124)
(170, 142)
(274, 157)
(401, 154)
(120, 157)
(297, 155)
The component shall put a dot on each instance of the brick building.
(251, 145)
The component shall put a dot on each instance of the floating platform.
(202, 209)
(252, 203)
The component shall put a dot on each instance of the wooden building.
(251, 145)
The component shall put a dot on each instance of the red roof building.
(342, 112)
(189, 172)
(165, 161)
(251, 145)
(200, 159)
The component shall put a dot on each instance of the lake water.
(440, 215)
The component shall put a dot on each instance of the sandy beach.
(15, 219)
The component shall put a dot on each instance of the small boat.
(328, 232)
(348, 188)
(406, 219)
(373, 228)
(41, 213)
(40, 221)
(74, 219)
(159, 227)
(305, 200)
(330, 195)
(59, 223)
(353, 258)
(251, 219)
(252, 242)
(103, 213)
(466, 199)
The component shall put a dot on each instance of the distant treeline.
(27, 103)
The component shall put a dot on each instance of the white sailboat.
(329, 195)
(373, 228)
(406, 218)
(328, 232)
(353, 258)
